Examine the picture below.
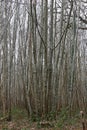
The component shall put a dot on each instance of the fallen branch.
(5, 118)
(46, 124)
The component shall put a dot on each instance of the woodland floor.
(21, 122)
(25, 125)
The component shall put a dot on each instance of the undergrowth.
(60, 121)
(18, 113)
(64, 119)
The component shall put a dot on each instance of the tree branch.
(83, 20)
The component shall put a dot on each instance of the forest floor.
(25, 125)
(20, 121)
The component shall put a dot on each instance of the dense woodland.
(43, 56)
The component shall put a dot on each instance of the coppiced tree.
(42, 56)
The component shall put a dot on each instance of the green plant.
(35, 118)
(4, 128)
(19, 113)
(51, 115)
(38, 125)
(64, 118)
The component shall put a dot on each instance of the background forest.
(43, 56)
